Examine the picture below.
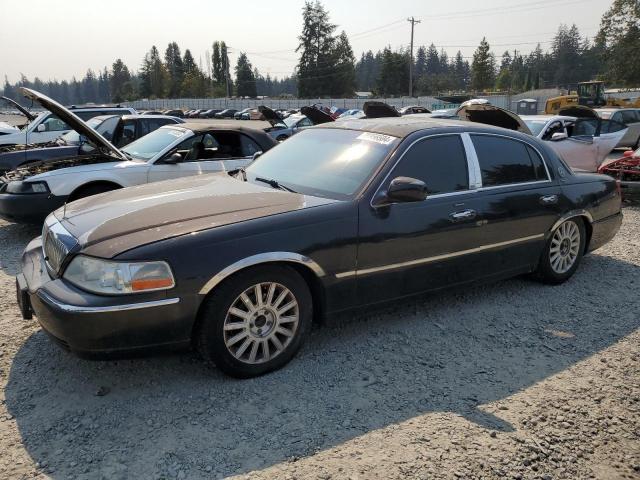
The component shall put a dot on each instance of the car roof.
(546, 117)
(402, 126)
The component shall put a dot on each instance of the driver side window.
(54, 124)
(555, 127)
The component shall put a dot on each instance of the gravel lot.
(510, 380)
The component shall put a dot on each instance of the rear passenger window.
(504, 161)
(629, 116)
(440, 162)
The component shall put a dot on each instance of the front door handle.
(462, 215)
(549, 199)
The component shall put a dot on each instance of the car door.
(405, 248)
(215, 151)
(579, 149)
(631, 118)
(519, 201)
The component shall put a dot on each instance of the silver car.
(631, 118)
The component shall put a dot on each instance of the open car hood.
(73, 121)
(579, 111)
(375, 109)
(491, 115)
(22, 110)
(269, 115)
(316, 116)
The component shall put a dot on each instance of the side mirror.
(558, 136)
(628, 153)
(41, 128)
(255, 156)
(406, 189)
(174, 158)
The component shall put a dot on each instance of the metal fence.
(431, 103)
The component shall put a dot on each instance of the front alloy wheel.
(261, 322)
(255, 321)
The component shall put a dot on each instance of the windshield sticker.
(176, 133)
(377, 137)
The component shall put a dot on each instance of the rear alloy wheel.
(256, 321)
(563, 252)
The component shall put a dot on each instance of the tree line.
(327, 67)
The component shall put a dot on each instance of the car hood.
(112, 223)
(6, 128)
(270, 116)
(316, 116)
(374, 109)
(492, 115)
(73, 121)
(19, 107)
(45, 166)
(578, 111)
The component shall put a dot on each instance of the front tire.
(563, 252)
(256, 321)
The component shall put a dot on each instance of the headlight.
(114, 278)
(27, 187)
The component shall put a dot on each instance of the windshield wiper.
(274, 184)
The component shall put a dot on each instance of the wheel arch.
(310, 271)
(587, 220)
(93, 183)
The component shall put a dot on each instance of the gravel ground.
(509, 380)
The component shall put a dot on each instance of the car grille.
(54, 248)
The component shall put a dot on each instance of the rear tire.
(255, 322)
(563, 252)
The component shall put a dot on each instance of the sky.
(59, 39)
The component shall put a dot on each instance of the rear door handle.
(549, 199)
(462, 215)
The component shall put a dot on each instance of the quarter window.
(440, 162)
(629, 116)
(504, 161)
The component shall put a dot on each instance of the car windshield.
(324, 162)
(73, 138)
(291, 121)
(147, 147)
(535, 126)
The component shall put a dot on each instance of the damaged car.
(282, 129)
(579, 136)
(119, 130)
(240, 265)
(627, 171)
(29, 193)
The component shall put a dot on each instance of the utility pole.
(413, 21)
(226, 68)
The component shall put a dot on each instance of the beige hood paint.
(114, 222)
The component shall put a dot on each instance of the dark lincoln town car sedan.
(342, 215)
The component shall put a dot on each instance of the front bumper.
(94, 325)
(29, 208)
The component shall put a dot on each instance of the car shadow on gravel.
(13, 238)
(171, 417)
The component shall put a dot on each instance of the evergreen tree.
(120, 82)
(245, 79)
(344, 81)
(618, 41)
(316, 48)
(483, 67)
(175, 69)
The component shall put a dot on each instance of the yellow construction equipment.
(590, 94)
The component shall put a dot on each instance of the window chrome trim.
(259, 259)
(475, 175)
(470, 170)
(65, 307)
(446, 256)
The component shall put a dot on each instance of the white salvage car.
(28, 194)
(579, 136)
